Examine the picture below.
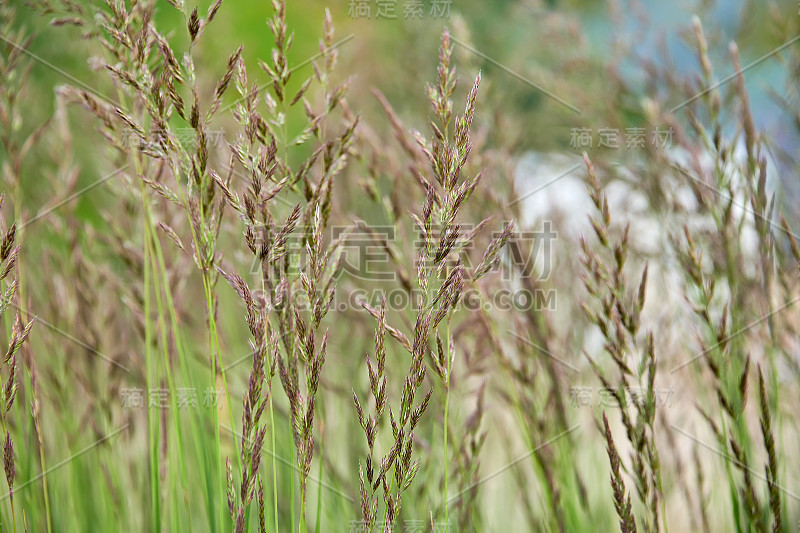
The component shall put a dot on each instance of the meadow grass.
(410, 395)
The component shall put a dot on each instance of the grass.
(390, 278)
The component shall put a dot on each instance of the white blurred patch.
(551, 187)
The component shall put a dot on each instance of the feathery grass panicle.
(622, 502)
(264, 347)
(468, 460)
(771, 468)
(298, 297)
(727, 281)
(9, 278)
(440, 278)
(619, 317)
